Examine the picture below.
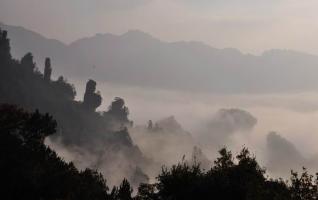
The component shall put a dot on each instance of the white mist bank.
(293, 116)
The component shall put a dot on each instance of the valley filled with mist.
(132, 106)
(155, 90)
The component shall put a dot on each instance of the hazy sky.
(250, 25)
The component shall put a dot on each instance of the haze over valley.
(192, 82)
(194, 104)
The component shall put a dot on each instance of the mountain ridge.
(139, 59)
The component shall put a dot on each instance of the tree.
(180, 182)
(147, 192)
(29, 126)
(224, 161)
(93, 185)
(125, 191)
(31, 170)
(304, 187)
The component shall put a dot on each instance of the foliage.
(241, 178)
(31, 170)
(305, 186)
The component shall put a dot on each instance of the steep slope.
(82, 131)
(23, 41)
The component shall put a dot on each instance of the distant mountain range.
(138, 59)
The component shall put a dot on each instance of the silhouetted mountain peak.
(169, 123)
(280, 145)
(172, 126)
(136, 34)
(232, 51)
(285, 53)
(137, 53)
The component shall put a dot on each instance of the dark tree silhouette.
(227, 179)
(304, 187)
(125, 191)
(31, 170)
(225, 160)
(147, 192)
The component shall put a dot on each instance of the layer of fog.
(292, 116)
